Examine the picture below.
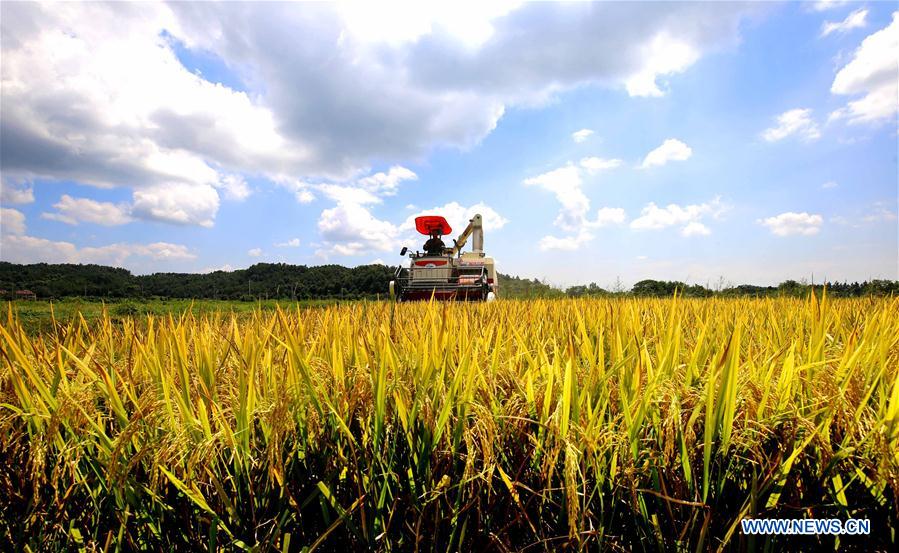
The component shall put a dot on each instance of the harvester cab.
(446, 273)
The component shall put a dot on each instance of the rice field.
(581, 424)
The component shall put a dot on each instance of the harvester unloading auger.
(446, 273)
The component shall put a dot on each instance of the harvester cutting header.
(445, 273)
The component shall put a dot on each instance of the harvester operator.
(434, 245)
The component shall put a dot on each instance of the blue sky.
(719, 142)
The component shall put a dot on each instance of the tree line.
(260, 281)
(300, 282)
(660, 288)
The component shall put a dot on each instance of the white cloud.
(366, 84)
(387, 183)
(74, 210)
(874, 74)
(395, 23)
(292, 243)
(305, 196)
(790, 223)
(345, 248)
(664, 55)
(879, 213)
(824, 5)
(596, 164)
(653, 217)
(565, 183)
(581, 135)
(350, 229)
(793, 122)
(12, 194)
(142, 120)
(364, 191)
(695, 228)
(458, 216)
(146, 122)
(235, 187)
(855, 20)
(300, 189)
(565, 243)
(255, 252)
(422, 79)
(162, 251)
(605, 216)
(407, 95)
(227, 267)
(608, 216)
(348, 194)
(670, 150)
(29, 249)
(829, 184)
(179, 203)
(12, 221)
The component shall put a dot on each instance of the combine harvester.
(446, 273)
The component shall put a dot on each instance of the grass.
(39, 316)
(598, 424)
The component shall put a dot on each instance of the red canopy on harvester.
(426, 224)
